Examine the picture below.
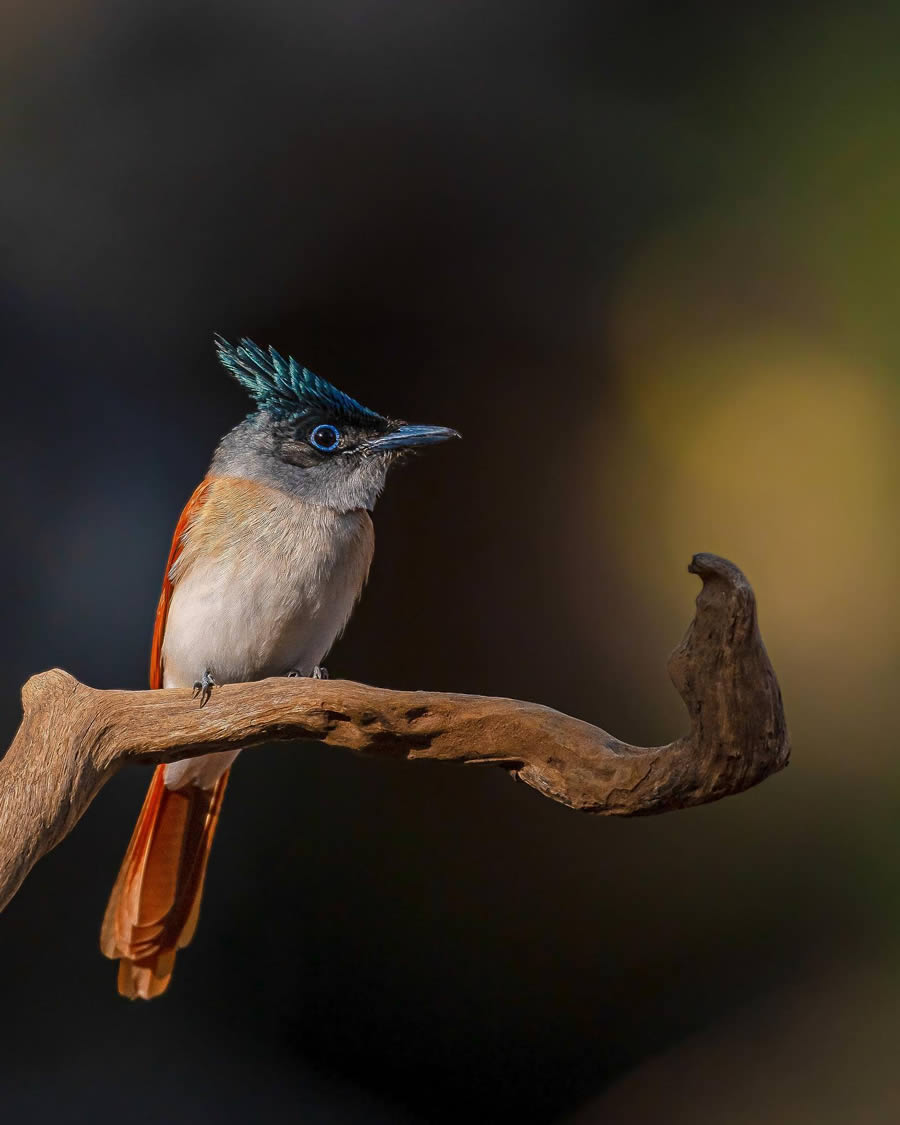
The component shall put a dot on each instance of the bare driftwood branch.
(74, 738)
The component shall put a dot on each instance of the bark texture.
(73, 738)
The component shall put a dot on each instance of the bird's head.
(308, 436)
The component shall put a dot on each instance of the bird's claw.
(318, 673)
(203, 688)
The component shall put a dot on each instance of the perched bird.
(268, 559)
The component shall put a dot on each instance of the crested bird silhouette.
(267, 562)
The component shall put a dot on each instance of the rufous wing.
(155, 902)
(187, 518)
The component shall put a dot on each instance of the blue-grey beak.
(406, 437)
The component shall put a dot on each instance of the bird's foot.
(203, 687)
(318, 673)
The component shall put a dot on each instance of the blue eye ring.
(325, 437)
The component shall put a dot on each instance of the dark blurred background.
(645, 257)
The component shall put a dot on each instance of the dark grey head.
(309, 438)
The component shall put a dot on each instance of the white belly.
(272, 606)
(238, 622)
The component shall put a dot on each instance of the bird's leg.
(318, 673)
(203, 687)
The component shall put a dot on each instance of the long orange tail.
(153, 908)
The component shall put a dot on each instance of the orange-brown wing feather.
(190, 513)
(154, 904)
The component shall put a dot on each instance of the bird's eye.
(325, 437)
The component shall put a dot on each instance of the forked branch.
(74, 738)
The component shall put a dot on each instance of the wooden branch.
(74, 738)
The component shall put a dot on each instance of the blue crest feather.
(283, 386)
